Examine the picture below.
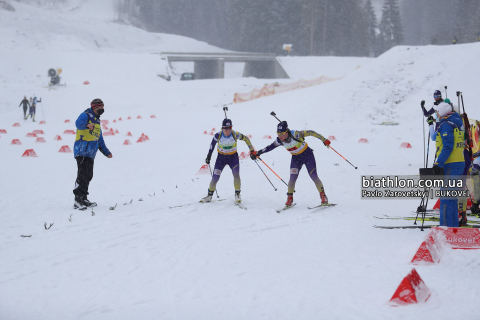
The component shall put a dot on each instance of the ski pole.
(423, 123)
(342, 157)
(212, 178)
(446, 96)
(266, 176)
(43, 114)
(273, 171)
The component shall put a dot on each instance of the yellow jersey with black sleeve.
(228, 145)
(297, 143)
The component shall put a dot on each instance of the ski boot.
(238, 198)
(79, 204)
(474, 208)
(88, 203)
(208, 198)
(462, 216)
(324, 198)
(289, 200)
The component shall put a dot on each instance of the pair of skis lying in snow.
(241, 206)
(431, 215)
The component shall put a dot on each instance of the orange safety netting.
(274, 88)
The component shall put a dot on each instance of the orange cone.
(203, 170)
(65, 149)
(29, 153)
(411, 290)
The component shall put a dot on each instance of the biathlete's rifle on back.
(467, 126)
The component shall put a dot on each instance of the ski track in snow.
(144, 260)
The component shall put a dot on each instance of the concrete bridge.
(212, 65)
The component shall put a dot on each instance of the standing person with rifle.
(302, 154)
(449, 137)
(226, 142)
(88, 141)
(25, 104)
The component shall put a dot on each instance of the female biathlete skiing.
(226, 142)
(294, 142)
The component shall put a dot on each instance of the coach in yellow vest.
(449, 139)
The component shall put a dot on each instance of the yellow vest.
(87, 135)
(457, 152)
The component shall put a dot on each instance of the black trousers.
(84, 176)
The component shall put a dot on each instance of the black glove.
(209, 156)
(436, 169)
(255, 154)
(430, 120)
(422, 103)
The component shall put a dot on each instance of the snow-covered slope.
(144, 260)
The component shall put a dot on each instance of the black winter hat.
(227, 123)
(96, 103)
(282, 127)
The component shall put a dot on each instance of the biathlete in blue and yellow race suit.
(294, 142)
(449, 137)
(88, 141)
(226, 142)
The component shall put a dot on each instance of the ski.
(323, 206)
(437, 219)
(240, 205)
(419, 227)
(405, 227)
(189, 204)
(286, 208)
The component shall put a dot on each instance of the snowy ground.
(212, 261)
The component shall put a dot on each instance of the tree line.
(314, 27)
(441, 21)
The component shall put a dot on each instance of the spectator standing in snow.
(25, 104)
(88, 141)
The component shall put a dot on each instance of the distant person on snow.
(88, 140)
(449, 137)
(294, 142)
(33, 108)
(226, 141)
(26, 104)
